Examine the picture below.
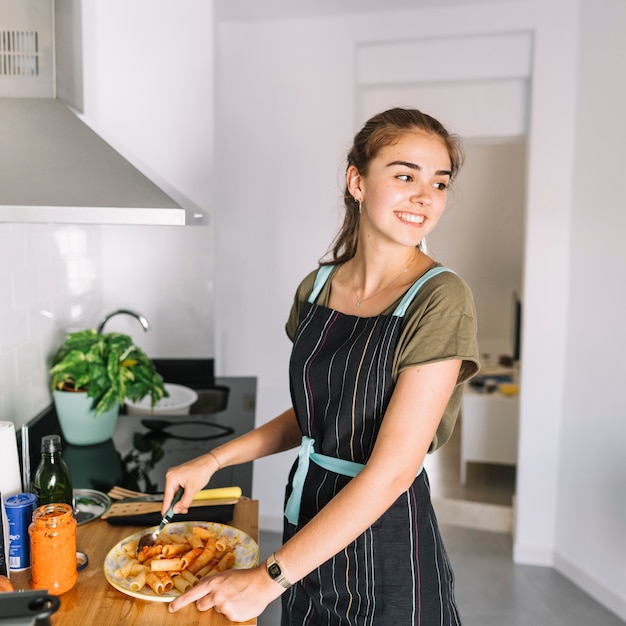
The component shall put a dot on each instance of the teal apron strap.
(320, 280)
(339, 466)
(329, 463)
(292, 508)
(307, 452)
(415, 287)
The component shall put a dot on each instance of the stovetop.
(140, 451)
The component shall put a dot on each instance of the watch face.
(274, 570)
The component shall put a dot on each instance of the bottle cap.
(50, 443)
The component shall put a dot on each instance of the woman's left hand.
(238, 594)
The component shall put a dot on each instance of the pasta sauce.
(53, 548)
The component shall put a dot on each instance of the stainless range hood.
(53, 167)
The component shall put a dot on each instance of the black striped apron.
(397, 572)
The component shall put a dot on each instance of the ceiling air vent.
(26, 49)
(19, 53)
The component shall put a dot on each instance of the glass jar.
(53, 548)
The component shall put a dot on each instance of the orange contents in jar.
(53, 548)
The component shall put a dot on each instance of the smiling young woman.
(401, 195)
(383, 339)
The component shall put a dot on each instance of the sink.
(211, 400)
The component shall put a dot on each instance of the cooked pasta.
(176, 561)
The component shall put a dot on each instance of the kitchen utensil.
(222, 513)
(218, 493)
(149, 539)
(117, 493)
(25, 459)
(142, 503)
(191, 430)
(204, 498)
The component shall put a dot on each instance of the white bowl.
(177, 403)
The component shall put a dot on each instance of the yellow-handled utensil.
(150, 504)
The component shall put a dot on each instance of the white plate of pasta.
(184, 553)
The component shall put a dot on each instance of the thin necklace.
(404, 271)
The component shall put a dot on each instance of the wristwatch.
(276, 573)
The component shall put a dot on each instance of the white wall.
(546, 277)
(148, 89)
(592, 471)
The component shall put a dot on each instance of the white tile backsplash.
(50, 282)
(166, 274)
(60, 278)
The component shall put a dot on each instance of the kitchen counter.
(137, 457)
(94, 601)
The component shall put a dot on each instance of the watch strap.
(275, 571)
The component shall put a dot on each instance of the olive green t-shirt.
(439, 325)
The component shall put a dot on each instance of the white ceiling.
(251, 10)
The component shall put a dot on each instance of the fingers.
(191, 476)
(182, 506)
(195, 593)
(231, 593)
(172, 487)
(174, 480)
(205, 603)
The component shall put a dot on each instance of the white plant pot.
(79, 424)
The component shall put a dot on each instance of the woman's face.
(405, 189)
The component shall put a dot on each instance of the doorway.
(481, 235)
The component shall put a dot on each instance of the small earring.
(359, 203)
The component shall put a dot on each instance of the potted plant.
(92, 375)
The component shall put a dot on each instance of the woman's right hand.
(191, 476)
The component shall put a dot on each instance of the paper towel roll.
(10, 481)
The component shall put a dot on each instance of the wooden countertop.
(94, 601)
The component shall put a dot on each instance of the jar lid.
(21, 500)
(50, 443)
(82, 560)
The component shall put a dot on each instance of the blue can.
(19, 510)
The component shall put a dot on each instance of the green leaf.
(109, 366)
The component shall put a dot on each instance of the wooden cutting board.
(139, 508)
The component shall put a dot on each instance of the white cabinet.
(489, 429)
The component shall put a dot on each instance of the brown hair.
(378, 132)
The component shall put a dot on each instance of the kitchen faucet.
(138, 316)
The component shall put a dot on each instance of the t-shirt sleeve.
(440, 325)
(302, 294)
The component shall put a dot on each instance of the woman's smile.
(410, 218)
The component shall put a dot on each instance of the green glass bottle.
(52, 481)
